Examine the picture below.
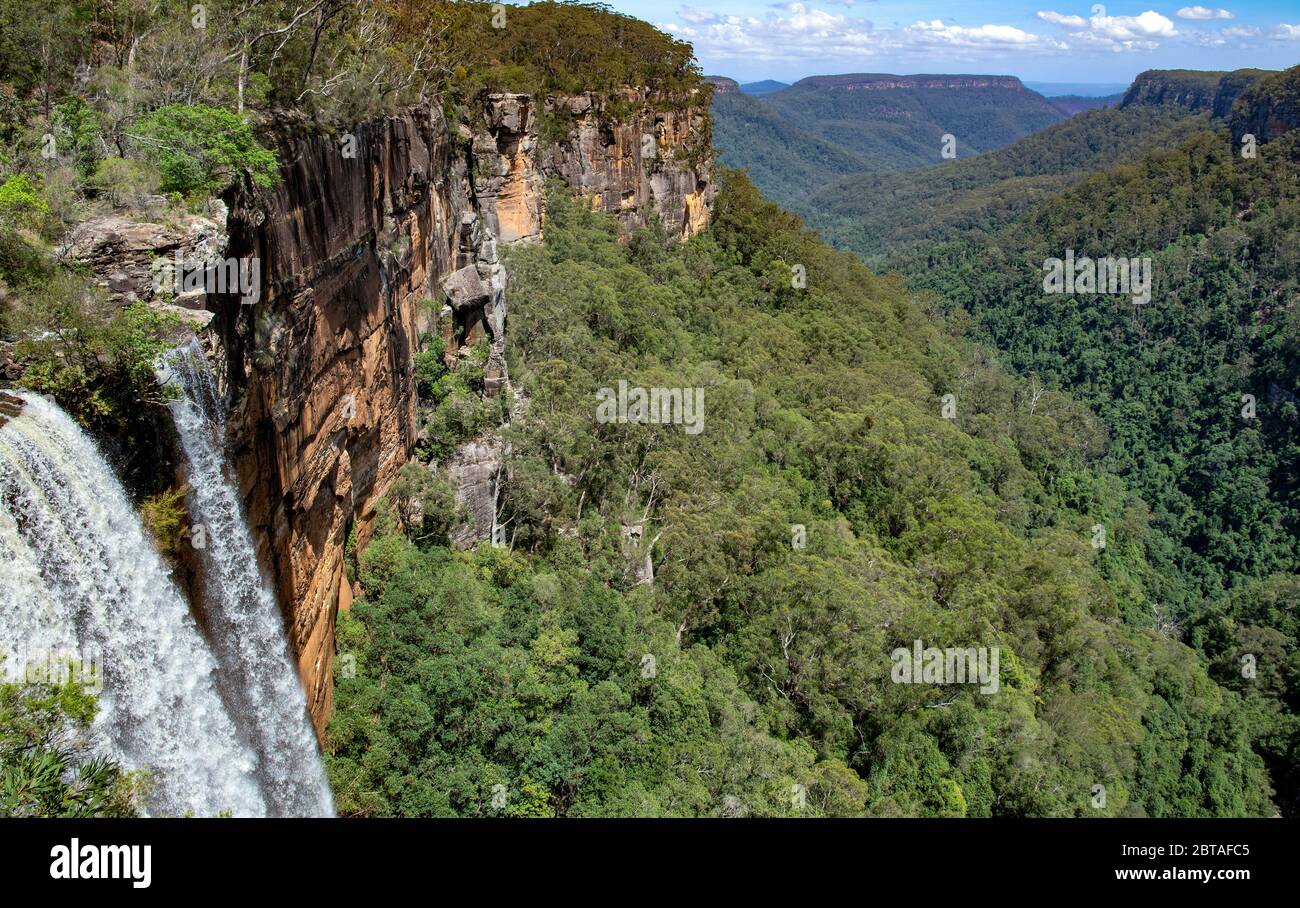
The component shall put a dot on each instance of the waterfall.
(245, 624)
(79, 576)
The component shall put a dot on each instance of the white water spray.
(245, 623)
(78, 575)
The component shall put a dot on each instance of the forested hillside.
(790, 164)
(879, 215)
(1074, 104)
(1199, 388)
(556, 671)
(898, 122)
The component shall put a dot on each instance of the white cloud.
(796, 32)
(1060, 19)
(696, 16)
(1116, 33)
(1287, 32)
(1126, 28)
(1202, 12)
(981, 36)
(1233, 34)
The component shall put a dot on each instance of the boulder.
(121, 252)
(466, 289)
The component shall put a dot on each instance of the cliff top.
(878, 81)
(1197, 90)
(1269, 107)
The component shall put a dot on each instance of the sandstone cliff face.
(1270, 108)
(320, 368)
(360, 256)
(1197, 91)
(651, 158)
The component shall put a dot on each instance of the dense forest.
(879, 215)
(789, 163)
(1198, 390)
(526, 668)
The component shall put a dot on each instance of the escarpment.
(371, 243)
(1270, 108)
(885, 81)
(1215, 92)
(652, 156)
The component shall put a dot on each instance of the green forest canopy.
(525, 668)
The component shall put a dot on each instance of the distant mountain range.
(764, 87)
(1075, 104)
(794, 140)
(1079, 89)
(884, 215)
(1055, 90)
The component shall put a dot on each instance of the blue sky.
(1048, 40)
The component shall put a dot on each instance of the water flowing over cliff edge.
(239, 610)
(79, 579)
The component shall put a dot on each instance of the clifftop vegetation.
(337, 60)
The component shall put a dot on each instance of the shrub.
(21, 204)
(202, 150)
(165, 516)
(124, 182)
(48, 769)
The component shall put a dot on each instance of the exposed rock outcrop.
(654, 159)
(10, 371)
(475, 295)
(475, 469)
(125, 256)
(10, 407)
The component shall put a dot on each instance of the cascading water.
(79, 576)
(244, 620)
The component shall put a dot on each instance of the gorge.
(375, 538)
